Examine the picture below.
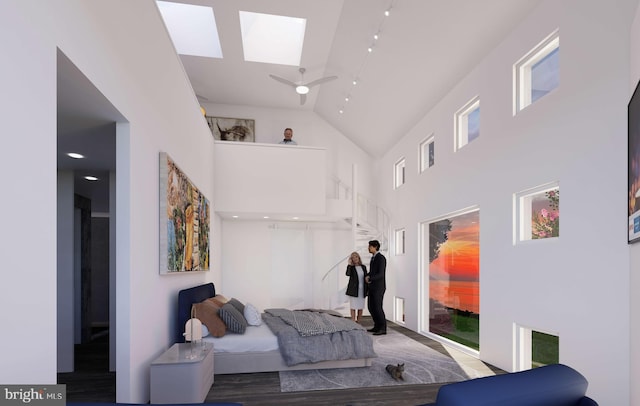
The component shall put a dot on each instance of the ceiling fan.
(302, 88)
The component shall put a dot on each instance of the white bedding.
(255, 338)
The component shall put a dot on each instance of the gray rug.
(421, 365)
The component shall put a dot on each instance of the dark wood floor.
(93, 383)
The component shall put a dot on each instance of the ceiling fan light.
(302, 89)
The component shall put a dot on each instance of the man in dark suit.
(377, 287)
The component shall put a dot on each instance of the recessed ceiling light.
(265, 217)
(295, 218)
(235, 217)
(75, 155)
(192, 28)
(91, 178)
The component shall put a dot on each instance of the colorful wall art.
(184, 222)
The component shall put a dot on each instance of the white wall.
(576, 285)
(264, 262)
(270, 179)
(111, 48)
(634, 250)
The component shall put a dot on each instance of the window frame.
(425, 162)
(400, 241)
(522, 205)
(399, 172)
(461, 123)
(522, 71)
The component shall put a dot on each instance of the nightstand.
(182, 374)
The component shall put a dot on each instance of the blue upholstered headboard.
(186, 298)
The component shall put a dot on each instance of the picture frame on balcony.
(232, 129)
(633, 166)
(184, 222)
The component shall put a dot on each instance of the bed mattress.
(255, 339)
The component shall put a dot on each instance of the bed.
(258, 349)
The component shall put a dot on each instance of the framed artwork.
(184, 222)
(232, 129)
(633, 165)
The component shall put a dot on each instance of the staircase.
(371, 223)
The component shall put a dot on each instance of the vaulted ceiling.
(424, 48)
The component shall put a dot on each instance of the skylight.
(192, 29)
(271, 38)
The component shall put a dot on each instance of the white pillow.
(205, 331)
(252, 315)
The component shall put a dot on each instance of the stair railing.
(366, 215)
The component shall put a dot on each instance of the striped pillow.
(233, 319)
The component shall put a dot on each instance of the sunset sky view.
(454, 277)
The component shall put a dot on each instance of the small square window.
(427, 153)
(537, 73)
(537, 213)
(400, 241)
(467, 123)
(535, 348)
(398, 173)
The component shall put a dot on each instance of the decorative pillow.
(207, 312)
(219, 300)
(237, 304)
(205, 331)
(252, 315)
(234, 320)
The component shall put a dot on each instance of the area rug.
(421, 365)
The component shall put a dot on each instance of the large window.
(537, 73)
(451, 277)
(467, 123)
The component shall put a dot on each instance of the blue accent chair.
(550, 385)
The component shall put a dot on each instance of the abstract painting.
(184, 221)
(232, 129)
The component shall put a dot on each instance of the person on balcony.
(288, 133)
(356, 287)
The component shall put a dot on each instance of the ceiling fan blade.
(319, 81)
(281, 80)
(303, 99)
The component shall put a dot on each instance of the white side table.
(182, 374)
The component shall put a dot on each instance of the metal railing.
(371, 222)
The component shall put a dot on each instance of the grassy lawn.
(461, 327)
(544, 349)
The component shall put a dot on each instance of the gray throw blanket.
(352, 342)
(314, 322)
